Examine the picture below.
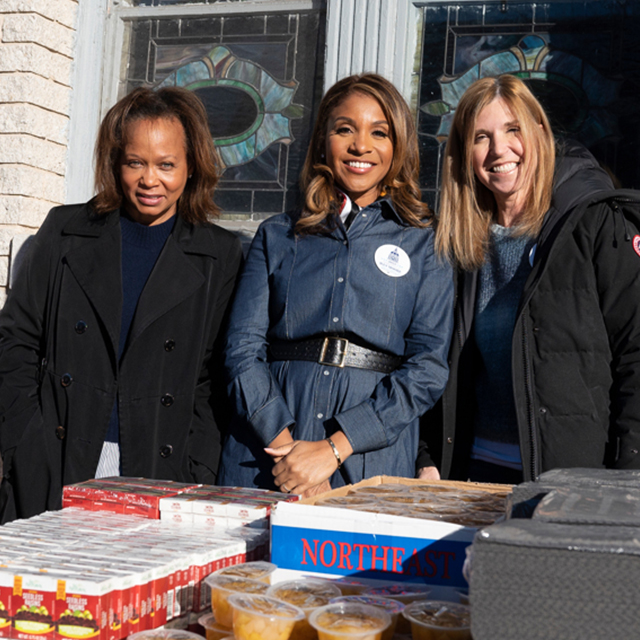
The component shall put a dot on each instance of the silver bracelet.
(336, 453)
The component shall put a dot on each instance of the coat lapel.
(174, 279)
(96, 265)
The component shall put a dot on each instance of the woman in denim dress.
(341, 324)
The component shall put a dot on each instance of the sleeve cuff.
(363, 428)
(270, 420)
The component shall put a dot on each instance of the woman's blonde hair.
(317, 182)
(467, 207)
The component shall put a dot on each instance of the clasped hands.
(304, 466)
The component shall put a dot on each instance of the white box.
(334, 542)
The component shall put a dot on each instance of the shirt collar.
(346, 205)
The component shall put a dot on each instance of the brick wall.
(36, 56)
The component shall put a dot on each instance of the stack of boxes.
(129, 555)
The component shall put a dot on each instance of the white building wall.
(37, 42)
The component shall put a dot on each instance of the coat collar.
(97, 266)
(90, 224)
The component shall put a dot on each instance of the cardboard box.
(334, 542)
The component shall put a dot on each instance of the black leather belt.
(333, 351)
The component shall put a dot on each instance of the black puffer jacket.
(576, 341)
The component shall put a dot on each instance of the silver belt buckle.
(343, 352)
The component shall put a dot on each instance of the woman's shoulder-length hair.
(467, 207)
(317, 182)
(196, 203)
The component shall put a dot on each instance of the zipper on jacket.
(529, 393)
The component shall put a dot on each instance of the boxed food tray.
(334, 542)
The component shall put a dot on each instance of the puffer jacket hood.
(578, 177)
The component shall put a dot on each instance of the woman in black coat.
(108, 338)
(545, 360)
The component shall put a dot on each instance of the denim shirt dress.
(299, 287)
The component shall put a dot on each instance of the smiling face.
(154, 169)
(359, 150)
(498, 156)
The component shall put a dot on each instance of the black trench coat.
(59, 371)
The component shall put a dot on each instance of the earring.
(383, 192)
(190, 176)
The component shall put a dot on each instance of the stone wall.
(37, 39)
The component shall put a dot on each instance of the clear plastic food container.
(308, 595)
(351, 501)
(259, 570)
(351, 586)
(222, 587)
(392, 607)
(404, 593)
(164, 634)
(212, 629)
(257, 617)
(436, 620)
(381, 489)
(350, 621)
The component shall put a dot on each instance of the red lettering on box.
(361, 548)
(414, 564)
(396, 561)
(313, 555)
(345, 563)
(447, 555)
(432, 569)
(334, 553)
(375, 558)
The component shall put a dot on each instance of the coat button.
(169, 345)
(449, 440)
(166, 400)
(60, 432)
(166, 450)
(542, 411)
(81, 326)
(66, 379)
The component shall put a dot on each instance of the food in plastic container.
(350, 621)
(212, 629)
(431, 489)
(435, 620)
(474, 519)
(308, 595)
(404, 498)
(404, 593)
(351, 586)
(380, 489)
(392, 607)
(222, 587)
(258, 617)
(258, 570)
(164, 634)
(476, 496)
(351, 501)
(439, 507)
(387, 509)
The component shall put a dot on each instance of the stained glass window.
(581, 59)
(259, 76)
